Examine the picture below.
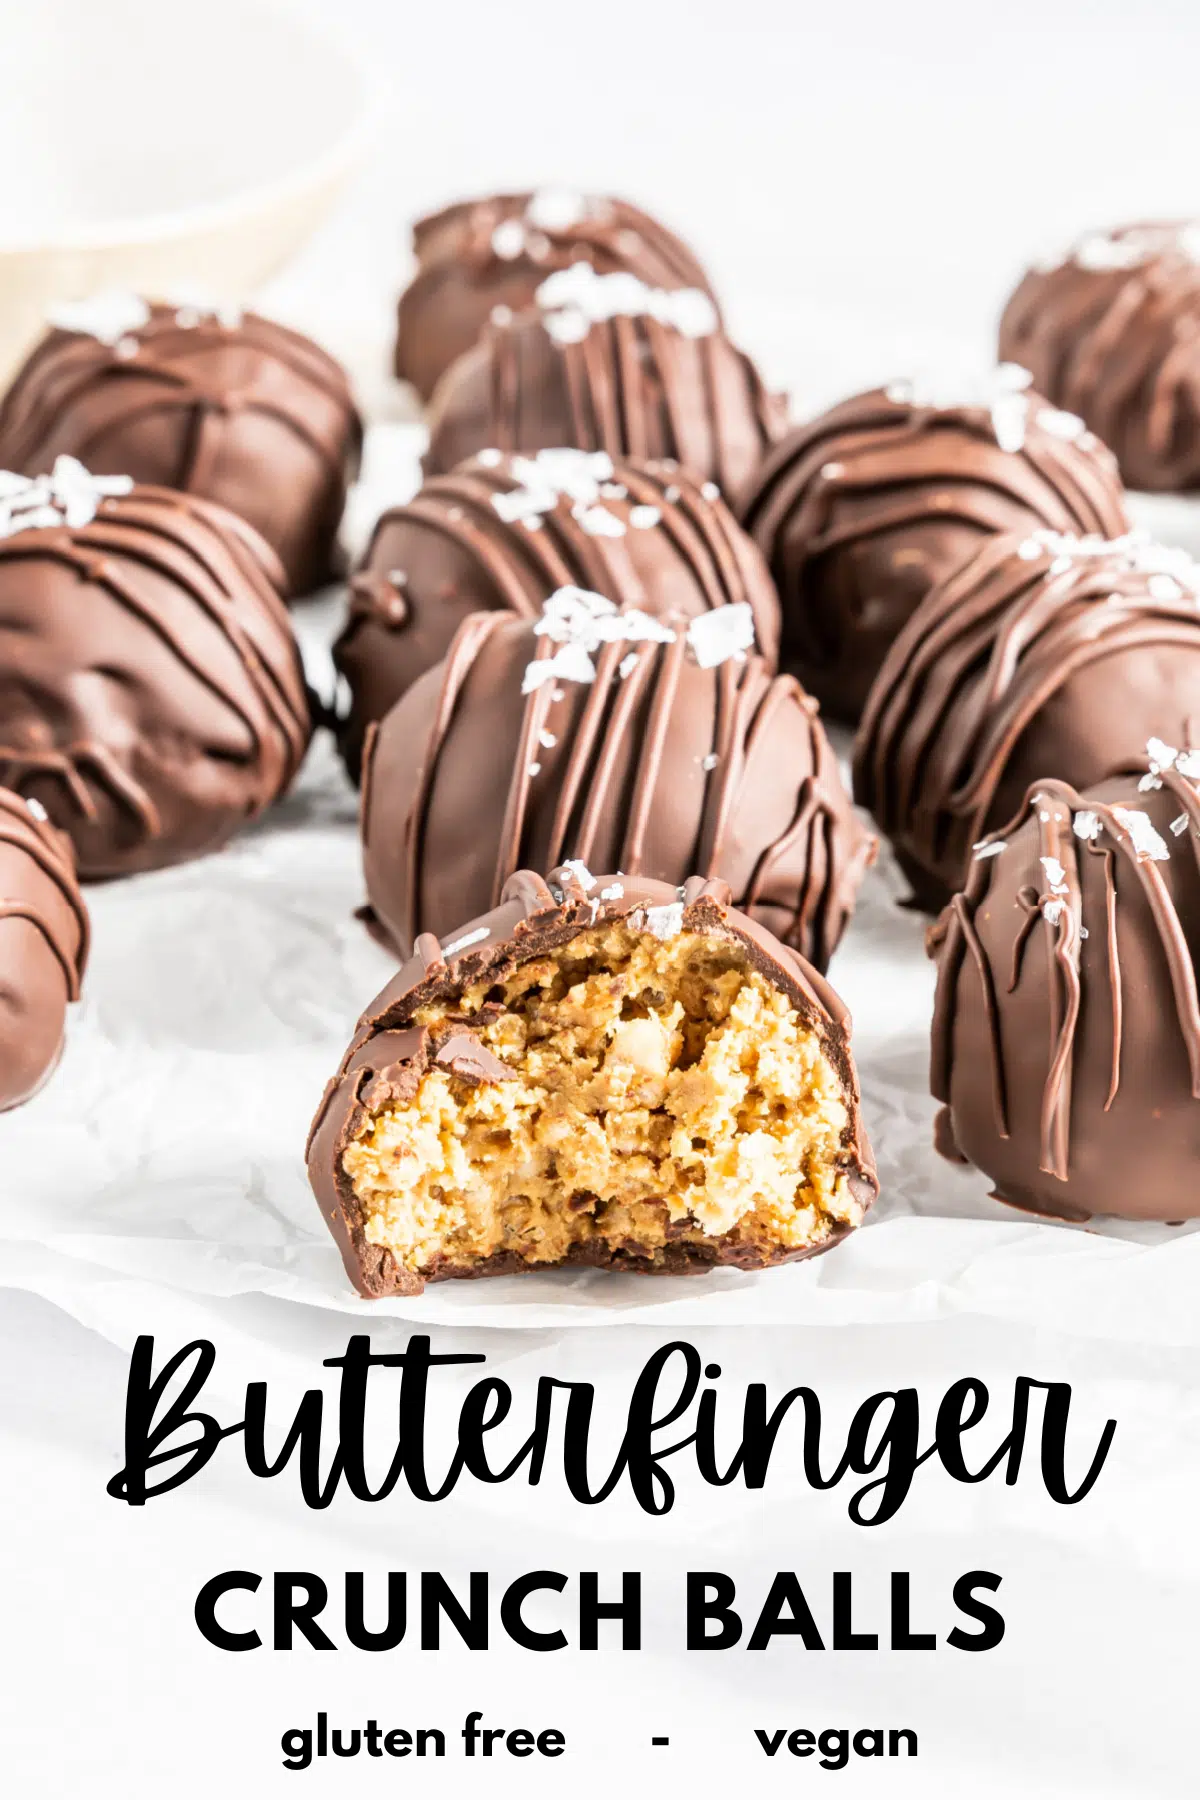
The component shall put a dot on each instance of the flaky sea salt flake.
(107, 317)
(1148, 846)
(665, 921)
(1056, 875)
(574, 299)
(597, 521)
(581, 872)
(570, 662)
(508, 240)
(556, 209)
(1061, 424)
(725, 632)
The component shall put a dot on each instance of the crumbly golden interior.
(662, 1092)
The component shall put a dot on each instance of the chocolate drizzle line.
(632, 386)
(51, 854)
(602, 782)
(69, 368)
(1058, 843)
(526, 566)
(695, 550)
(461, 275)
(834, 497)
(1114, 974)
(217, 563)
(976, 664)
(1120, 347)
(166, 402)
(1054, 805)
(891, 450)
(637, 389)
(602, 234)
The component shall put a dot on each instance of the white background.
(864, 181)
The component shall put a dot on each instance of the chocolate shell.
(1066, 1038)
(683, 991)
(230, 407)
(43, 947)
(642, 760)
(1043, 653)
(1113, 332)
(151, 693)
(505, 532)
(656, 379)
(864, 510)
(480, 257)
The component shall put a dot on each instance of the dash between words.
(678, 1416)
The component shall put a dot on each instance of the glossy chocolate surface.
(230, 407)
(655, 765)
(489, 256)
(151, 694)
(504, 532)
(1042, 656)
(1066, 1038)
(861, 512)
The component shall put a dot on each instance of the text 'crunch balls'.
(1066, 1038)
(1044, 656)
(151, 693)
(506, 532)
(603, 362)
(599, 1071)
(661, 747)
(43, 946)
(865, 509)
(486, 258)
(222, 404)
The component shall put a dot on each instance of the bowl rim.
(335, 161)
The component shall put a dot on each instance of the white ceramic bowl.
(154, 144)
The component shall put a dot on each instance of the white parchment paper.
(168, 1149)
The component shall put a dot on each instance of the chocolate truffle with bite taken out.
(629, 1076)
